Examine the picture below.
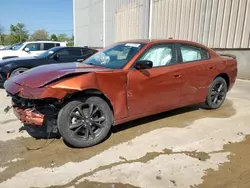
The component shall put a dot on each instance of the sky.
(55, 16)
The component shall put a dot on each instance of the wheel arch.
(226, 77)
(92, 92)
(16, 68)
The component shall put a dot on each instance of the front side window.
(74, 52)
(162, 55)
(116, 57)
(63, 52)
(33, 47)
(192, 53)
(69, 53)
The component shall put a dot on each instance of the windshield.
(17, 46)
(115, 57)
(46, 53)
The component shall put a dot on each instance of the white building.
(220, 24)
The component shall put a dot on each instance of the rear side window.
(87, 52)
(47, 46)
(192, 53)
(58, 44)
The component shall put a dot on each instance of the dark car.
(15, 66)
(127, 81)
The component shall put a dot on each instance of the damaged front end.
(37, 112)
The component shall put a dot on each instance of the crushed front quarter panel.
(112, 84)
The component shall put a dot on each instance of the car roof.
(156, 41)
(39, 41)
(72, 47)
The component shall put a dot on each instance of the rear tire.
(85, 122)
(216, 94)
(18, 71)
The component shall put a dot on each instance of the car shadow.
(155, 117)
(225, 111)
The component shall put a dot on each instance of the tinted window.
(63, 52)
(74, 52)
(69, 52)
(48, 46)
(192, 53)
(33, 46)
(57, 44)
(87, 52)
(204, 54)
(162, 55)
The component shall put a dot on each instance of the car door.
(198, 71)
(159, 88)
(69, 55)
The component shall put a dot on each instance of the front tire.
(85, 122)
(217, 93)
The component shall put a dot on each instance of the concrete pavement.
(172, 149)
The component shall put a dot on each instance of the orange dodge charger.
(126, 81)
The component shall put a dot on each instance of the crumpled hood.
(42, 75)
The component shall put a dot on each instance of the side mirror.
(26, 49)
(143, 64)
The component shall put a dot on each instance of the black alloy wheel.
(217, 93)
(84, 123)
(87, 121)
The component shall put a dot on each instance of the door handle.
(177, 75)
(80, 60)
(211, 68)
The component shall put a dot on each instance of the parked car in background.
(1, 47)
(10, 47)
(127, 81)
(14, 66)
(28, 49)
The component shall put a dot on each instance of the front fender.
(112, 84)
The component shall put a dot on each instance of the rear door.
(198, 71)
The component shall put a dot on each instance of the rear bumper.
(29, 116)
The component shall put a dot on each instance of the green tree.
(40, 34)
(62, 37)
(70, 43)
(1, 34)
(53, 37)
(18, 33)
(6, 40)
